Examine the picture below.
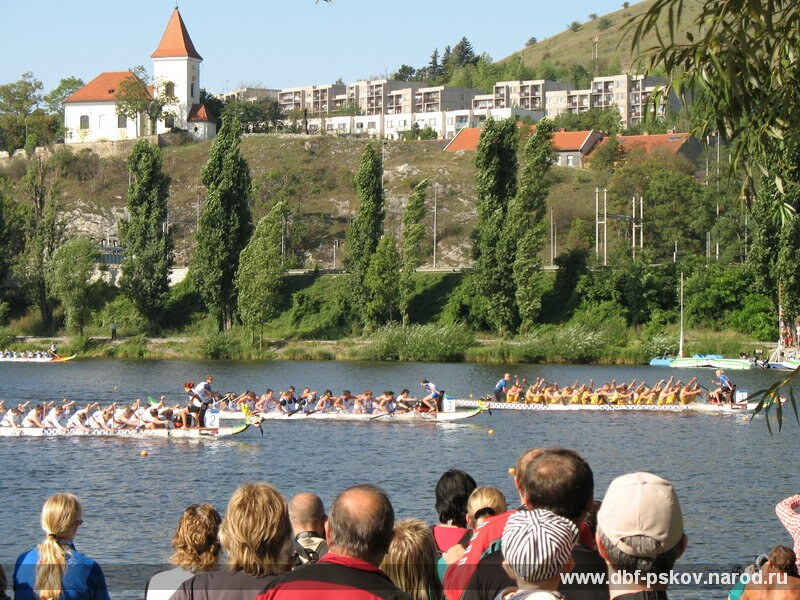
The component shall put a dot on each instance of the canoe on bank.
(41, 359)
(125, 433)
(736, 408)
(408, 417)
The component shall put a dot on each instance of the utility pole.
(435, 188)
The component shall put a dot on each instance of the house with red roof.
(571, 147)
(90, 113)
(682, 144)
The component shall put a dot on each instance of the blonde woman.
(256, 536)
(196, 550)
(484, 502)
(55, 570)
(411, 560)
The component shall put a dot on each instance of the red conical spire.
(176, 43)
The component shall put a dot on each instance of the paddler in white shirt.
(53, 418)
(12, 418)
(125, 419)
(80, 420)
(34, 417)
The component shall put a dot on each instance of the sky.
(270, 43)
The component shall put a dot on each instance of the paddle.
(372, 418)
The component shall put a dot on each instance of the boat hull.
(44, 360)
(409, 417)
(736, 408)
(125, 433)
(711, 361)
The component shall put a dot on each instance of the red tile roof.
(671, 141)
(200, 113)
(569, 140)
(176, 43)
(466, 139)
(102, 88)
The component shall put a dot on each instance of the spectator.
(537, 549)
(787, 515)
(307, 514)
(359, 532)
(256, 536)
(55, 570)
(558, 480)
(486, 501)
(779, 578)
(452, 492)
(195, 548)
(411, 560)
(640, 529)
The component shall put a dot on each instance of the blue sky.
(271, 43)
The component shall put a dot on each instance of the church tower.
(176, 72)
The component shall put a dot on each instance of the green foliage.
(259, 280)
(367, 226)
(382, 282)
(599, 119)
(134, 98)
(220, 345)
(755, 317)
(425, 343)
(411, 252)
(526, 225)
(711, 294)
(255, 116)
(18, 104)
(496, 185)
(225, 224)
(608, 155)
(148, 240)
(122, 311)
(608, 318)
(68, 274)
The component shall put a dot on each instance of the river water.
(729, 472)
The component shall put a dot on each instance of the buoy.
(491, 432)
(512, 471)
(143, 453)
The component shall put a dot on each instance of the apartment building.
(316, 99)
(249, 94)
(528, 95)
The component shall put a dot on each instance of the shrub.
(427, 343)
(220, 346)
(755, 317)
(607, 318)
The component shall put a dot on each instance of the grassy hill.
(316, 175)
(613, 41)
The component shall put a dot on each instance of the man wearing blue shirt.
(502, 387)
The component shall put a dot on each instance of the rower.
(53, 350)
(80, 420)
(34, 417)
(724, 390)
(405, 401)
(151, 419)
(53, 418)
(204, 395)
(267, 401)
(343, 402)
(307, 399)
(325, 401)
(432, 399)
(12, 418)
(385, 403)
(288, 403)
(124, 419)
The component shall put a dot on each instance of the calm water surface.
(729, 473)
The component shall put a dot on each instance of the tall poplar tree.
(381, 282)
(147, 238)
(68, 275)
(527, 224)
(496, 185)
(225, 224)
(413, 232)
(367, 227)
(262, 271)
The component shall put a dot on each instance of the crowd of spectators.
(556, 543)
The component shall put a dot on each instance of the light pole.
(335, 246)
(435, 188)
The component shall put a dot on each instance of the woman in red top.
(452, 492)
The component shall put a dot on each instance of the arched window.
(122, 122)
(192, 89)
(84, 121)
(169, 89)
(169, 122)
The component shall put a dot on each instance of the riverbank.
(421, 343)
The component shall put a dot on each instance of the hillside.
(315, 174)
(613, 41)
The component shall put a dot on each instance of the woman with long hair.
(256, 535)
(196, 549)
(452, 492)
(55, 570)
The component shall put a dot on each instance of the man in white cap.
(640, 535)
(537, 549)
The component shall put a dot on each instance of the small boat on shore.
(40, 359)
(395, 417)
(171, 433)
(707, 361)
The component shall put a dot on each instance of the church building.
(90, 114)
